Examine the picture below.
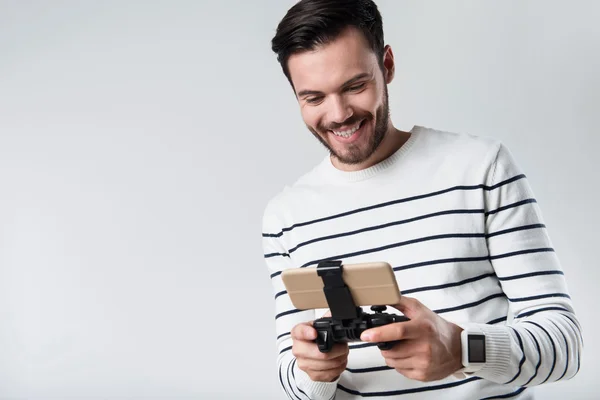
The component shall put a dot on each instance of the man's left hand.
(430, 347)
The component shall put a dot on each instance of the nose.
(339, 110)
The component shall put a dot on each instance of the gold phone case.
(372, 283)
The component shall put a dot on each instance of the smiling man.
(489, 311)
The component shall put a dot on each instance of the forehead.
(327, 67)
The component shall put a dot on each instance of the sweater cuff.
(497, 352)
(314, 390)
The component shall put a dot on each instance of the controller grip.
(324, 338)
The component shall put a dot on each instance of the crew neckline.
(354, 176)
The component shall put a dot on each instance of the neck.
(391, 142)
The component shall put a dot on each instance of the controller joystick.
(347, 321)
(378, 309)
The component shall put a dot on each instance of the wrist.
(457, 348)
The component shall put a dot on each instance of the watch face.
(476, 348)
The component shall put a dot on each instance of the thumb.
(410, 307)
(304, 331)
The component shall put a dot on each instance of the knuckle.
(301, 364)
(420, 375)
(424, 364)
(427, 327)
(319, 376)
(412, 301)
(427, 351)
(399, 330)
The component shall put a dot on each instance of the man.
(452, 213)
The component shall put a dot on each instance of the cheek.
(368, 100)
(311, 116)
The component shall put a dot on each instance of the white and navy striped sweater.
(458, 221)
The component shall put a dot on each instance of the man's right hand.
(320, 367)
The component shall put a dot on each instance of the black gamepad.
(331, 330)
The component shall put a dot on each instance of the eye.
(356, 87)
(313, 100)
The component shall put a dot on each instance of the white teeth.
(347, 133)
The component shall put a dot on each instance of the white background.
(140, 141)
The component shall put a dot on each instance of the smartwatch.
(473, 349)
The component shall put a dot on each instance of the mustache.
(350, 121)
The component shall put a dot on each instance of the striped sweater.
(458, 221)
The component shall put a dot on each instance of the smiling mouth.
(349, 131)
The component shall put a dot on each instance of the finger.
(410, 307)
(310, 350)
(408, 363)
(338, 349)
(304, 331)
(326, 365)
(405, 349)
(391, 332)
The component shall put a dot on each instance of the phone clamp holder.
(347, 321)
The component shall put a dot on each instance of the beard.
(355, 154)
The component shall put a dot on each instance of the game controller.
(347, 321)
(331, 330)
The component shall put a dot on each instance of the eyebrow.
(347, 83)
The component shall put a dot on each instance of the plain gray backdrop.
(141, 140)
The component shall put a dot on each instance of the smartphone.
(372, 283)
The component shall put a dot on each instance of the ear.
(388, 64)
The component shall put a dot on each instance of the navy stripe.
(387, 225)
(270, 255)
(541, 296)
(274, 274)
(505, 182)
(521, 276)
(281, 293)
(371, 369)
(517, 253)
(408, 391)
(566, 348)
(509, 206)
(282, 335)
(281, 380)
(553, 348)
(294, 377)
(507, 396)
(398, 244)
(389, 203)
(520, 228)
(288, 312)
(447, 285)
(290, 383)
(286, 349)
(537, 367)
(441, 261)
(528, 313)
(376, 227)
(522, 358)
(495, 321)
(468, 305)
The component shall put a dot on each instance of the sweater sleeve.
(296, 384)
(542, 338)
